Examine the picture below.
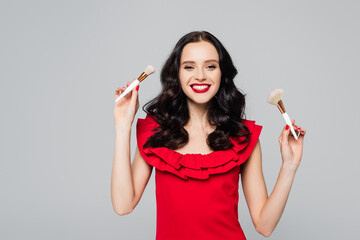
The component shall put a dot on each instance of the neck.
(198, 115)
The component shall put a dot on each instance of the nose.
(200, 75)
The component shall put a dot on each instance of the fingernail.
(302, 131)
(137, 87)
(287, 127)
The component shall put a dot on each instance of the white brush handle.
(128, 89)
(288, 122)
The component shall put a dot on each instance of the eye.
(211, 66)
(189, 67)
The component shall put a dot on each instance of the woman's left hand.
(291, 149)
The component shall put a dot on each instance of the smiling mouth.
(200, 88)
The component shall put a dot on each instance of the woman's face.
(199, 72)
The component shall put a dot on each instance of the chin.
(200, 101)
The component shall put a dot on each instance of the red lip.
(200, 91)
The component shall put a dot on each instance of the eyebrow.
(192, 62)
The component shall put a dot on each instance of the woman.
(196, 137)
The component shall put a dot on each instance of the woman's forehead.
(199, 51)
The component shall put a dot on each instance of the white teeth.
(199, 87)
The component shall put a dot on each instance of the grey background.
(62, 60)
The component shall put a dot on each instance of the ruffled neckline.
(195, 165)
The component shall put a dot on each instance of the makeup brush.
(275, 98)
(149, 70)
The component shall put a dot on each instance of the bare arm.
(128, 181)
(266, 210)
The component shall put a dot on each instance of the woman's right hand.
(126, 108)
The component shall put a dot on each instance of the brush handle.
(128, 89)
(288, 122)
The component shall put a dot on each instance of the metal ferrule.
(142, 76)
(281, 107)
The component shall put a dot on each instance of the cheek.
(218, 80)
(217, 77)
(184, 78)
(217, 88)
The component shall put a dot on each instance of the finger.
(285, 135)
(135, 96)
(295, 128)
(123, 90)
(299, 130)
(130, 93)
(292, 122)
(117, 92)
(281, 134)
(302, 134)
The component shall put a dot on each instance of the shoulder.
(246, 148)
(145, 128)
(146, 124)
(250, 123)
(149, 119)
(254, 129)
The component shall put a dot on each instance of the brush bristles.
(149, 70)
(275, 96)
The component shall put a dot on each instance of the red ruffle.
(199, 166)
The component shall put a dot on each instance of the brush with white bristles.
(149, 70)
(275, 98)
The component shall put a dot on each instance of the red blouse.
(197, 194)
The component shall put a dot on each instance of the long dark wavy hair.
(170, 107)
